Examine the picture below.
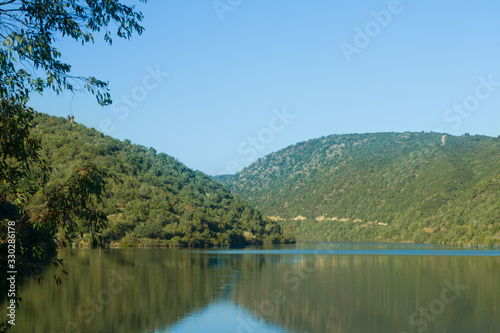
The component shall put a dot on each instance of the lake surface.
(307, 287)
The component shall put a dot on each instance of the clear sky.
(218, 84)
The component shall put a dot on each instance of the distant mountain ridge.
(405, 187)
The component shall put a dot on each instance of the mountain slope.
(155, 196)
(412, 187)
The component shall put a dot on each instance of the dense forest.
(394, 187)
(151, 198)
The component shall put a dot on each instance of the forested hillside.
(405, 187)
(153, 196)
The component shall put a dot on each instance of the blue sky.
(218, 84)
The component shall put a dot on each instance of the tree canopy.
(394, 187)
(30, 63)
(152, 198)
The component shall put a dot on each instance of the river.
(306, 287)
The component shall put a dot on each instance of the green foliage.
(30, 28)
(403, 187)
(19, 150)
(29, 62)
(74, 206)
(152, 195)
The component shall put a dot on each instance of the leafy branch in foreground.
(73, 206)
(28, 29)
(29, 62)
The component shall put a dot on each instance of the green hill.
(154, 196)
(403, 187)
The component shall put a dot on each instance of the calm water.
(308, 287)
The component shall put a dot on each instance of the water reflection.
(222, 317)
(163, 290)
